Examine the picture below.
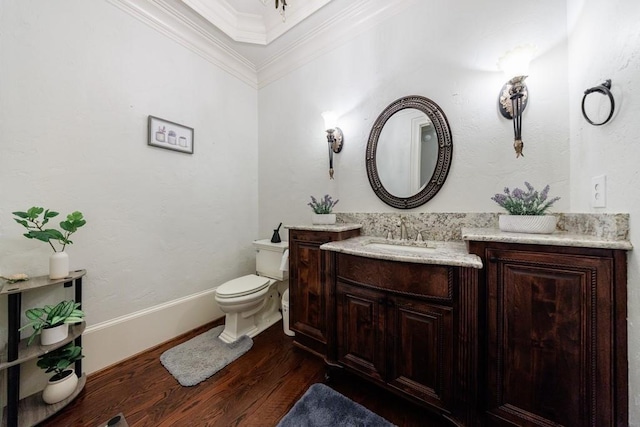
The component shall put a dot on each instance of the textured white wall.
(77, 82)
(604, 43)
(446, 51)
(76, 89)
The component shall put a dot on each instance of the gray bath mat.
(321, 406)
(196, 360)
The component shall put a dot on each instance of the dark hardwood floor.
(258, 389)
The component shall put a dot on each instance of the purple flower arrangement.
(324, 206)
(520, 202)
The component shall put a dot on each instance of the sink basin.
(400, 247)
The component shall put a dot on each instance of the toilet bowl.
(251, 303)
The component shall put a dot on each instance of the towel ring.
(603, 89)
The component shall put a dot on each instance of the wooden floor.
(258, 389)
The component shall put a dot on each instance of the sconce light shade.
(335, 138)
(514, 94)
(516, 62)
(330, 119)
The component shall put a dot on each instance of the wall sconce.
(335, 138)
(514, 95)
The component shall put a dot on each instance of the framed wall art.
(170, 135)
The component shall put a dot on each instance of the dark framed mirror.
(409, 152)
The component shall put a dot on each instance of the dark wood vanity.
(556, 335)
(311, 298)
(535, 338)
(402, 326)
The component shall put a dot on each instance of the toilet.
(251, 303)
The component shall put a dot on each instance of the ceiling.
(254, 21)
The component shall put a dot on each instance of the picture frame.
(170, 135)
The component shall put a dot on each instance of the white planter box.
(323, 218)
(536, 224)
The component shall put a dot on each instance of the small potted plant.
(52, 323)
(64, 382)
(527, 210)
(322, 210)
(59, 261)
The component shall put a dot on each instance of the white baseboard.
(110, 342)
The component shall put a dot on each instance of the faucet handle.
(419, 237)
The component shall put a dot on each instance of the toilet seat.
(245, 285)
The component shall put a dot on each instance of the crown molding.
(275, 26)
(168, 19)
(241, 27)
(173, 23)
(253, 28)
(358, 17)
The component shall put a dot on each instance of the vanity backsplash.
(447, 226)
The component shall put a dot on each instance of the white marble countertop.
(325, 227)
(553, 239)
(435, 252)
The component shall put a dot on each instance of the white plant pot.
(58, 265)
(58, 390)
(54, 335)
(535, 224)
(323, 218)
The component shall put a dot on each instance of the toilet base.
(236, 325)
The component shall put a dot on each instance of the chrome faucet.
(403, 229)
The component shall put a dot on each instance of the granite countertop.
(325, 227)
(435, 252)
(554, 239)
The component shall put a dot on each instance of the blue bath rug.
(321, 406)
(199, 358)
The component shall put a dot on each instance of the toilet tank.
(269, 258)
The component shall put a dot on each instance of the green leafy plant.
(520, 202)
(324, 205)
(50, 317)
(35, 225)
(59, 359)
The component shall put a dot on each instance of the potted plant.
(64, 382)
(59, 261)
(52, 323)
(322, 210)
(527, 210)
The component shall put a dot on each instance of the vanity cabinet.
(556, 344)
(312, 311)
(403, 326)
(32, 410)
(396, 341)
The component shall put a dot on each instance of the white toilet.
(251, 302)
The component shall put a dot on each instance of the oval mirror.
(409, 152)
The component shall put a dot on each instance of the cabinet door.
(361, 330)
(421, 350)
(550, 329)
(307, 290)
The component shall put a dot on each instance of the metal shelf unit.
(32, 410)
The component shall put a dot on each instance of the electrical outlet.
(599, 191)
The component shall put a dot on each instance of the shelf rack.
(32, 410)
